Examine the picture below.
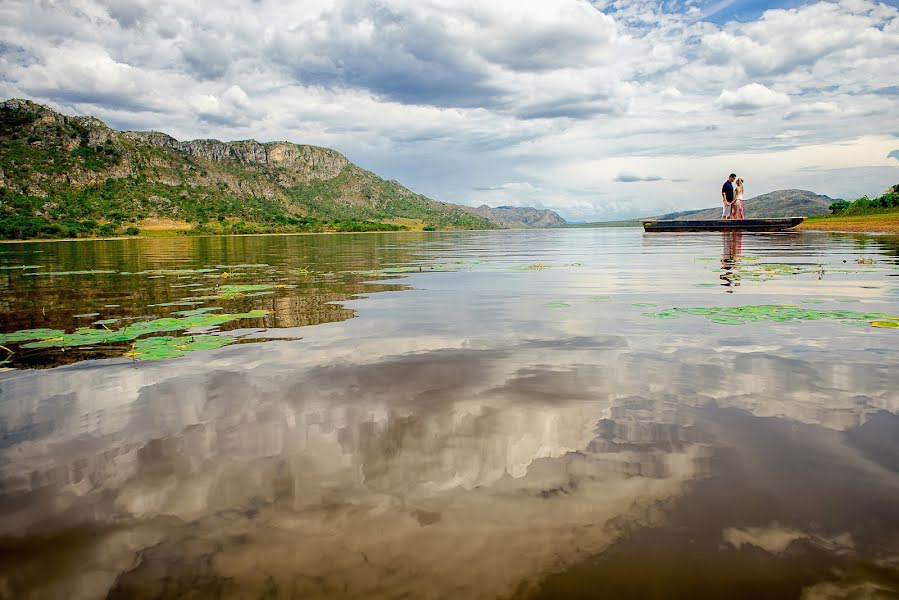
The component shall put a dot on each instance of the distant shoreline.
(875, 224)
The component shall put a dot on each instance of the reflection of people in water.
(731, 252)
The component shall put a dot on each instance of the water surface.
(470, 414)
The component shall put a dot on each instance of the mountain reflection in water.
(462, 438)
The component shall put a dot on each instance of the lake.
(573, 413)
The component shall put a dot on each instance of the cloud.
(633, 178)
(752, 98)
(450, 97)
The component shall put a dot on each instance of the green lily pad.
(557, 305)
(55, 273)
(160, 347)
(106, 321)
(87, 315)
(197, 311)
(85, 336)
(779, 313)
(21, 267)
(26, 335)
(242, 266)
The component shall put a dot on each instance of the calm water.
(456, 415)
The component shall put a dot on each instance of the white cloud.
(456, 98)
(752, 98)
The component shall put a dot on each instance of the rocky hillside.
(782, 203)
(515, 217)
(75, 176)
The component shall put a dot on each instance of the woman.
(737, 206)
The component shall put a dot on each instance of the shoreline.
(877, 224)
(168, 235)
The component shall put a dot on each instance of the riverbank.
(874, 223)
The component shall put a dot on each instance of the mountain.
(64, 176)
(782, 203)
(515, 217)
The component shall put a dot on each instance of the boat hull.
(653, 225)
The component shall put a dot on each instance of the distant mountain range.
(63, 176)
(516, 217)
(781, 203)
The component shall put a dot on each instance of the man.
(727, 196)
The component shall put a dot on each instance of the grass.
(880, 222)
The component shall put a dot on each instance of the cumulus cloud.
(752, 98)
(457, 98)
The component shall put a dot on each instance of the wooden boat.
(653, 225)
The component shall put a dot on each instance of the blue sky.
(598, 110)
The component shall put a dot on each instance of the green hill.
(63, 176)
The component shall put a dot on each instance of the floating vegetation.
(533, 267)
(242, 266)
(21, 267)
(599, 298)
(708, 285)
(86, 315)
(197, 311)
(557, 304)
(178, 303)
(185, 285)
(106, 321)
(169, 272)
(232, 291)
(55, 273)
(87, 336)
(111, 305)
(160, 347)
(26, 335)
(644, 304)
(781, 313)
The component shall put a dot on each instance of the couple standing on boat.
(732, 196)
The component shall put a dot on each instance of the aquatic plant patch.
(160, 347)
(86, 336)
(557, 305)
(59, 273)
(780, 313)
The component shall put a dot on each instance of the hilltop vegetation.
(879, 214)
(864, 205)
(66, 176)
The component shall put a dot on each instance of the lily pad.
(160, 347)
(21, 267)
(557, 305)
(85, 336)
(26, 335)
(55, 273)
(780, 313)
(86, 315)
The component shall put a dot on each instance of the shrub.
(839, 206)
(132, 231)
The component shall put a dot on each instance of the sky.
(598, 110)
